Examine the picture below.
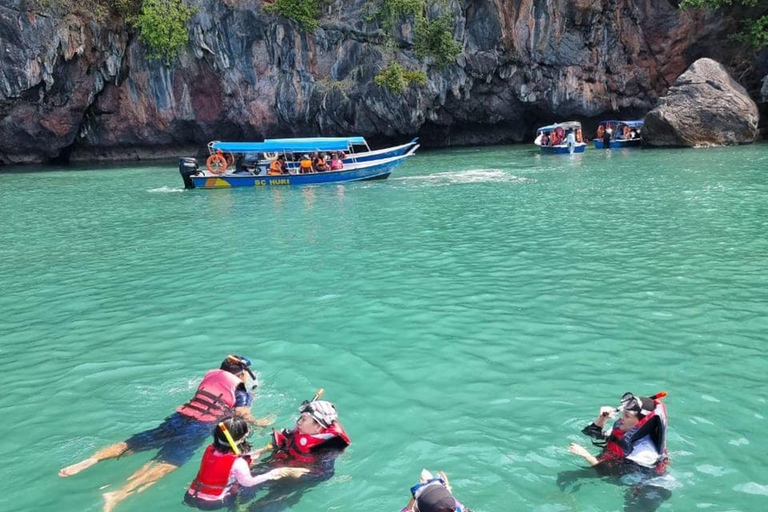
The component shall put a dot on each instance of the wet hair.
(232, 366)
(238, 429)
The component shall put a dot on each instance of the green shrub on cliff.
(163, 27)
(396, 78)
(303, 12)
(435, 39)
(431, 38)
(754, 31)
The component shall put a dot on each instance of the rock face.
(704, 107)
(71, 88)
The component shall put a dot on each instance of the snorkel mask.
(245, 364)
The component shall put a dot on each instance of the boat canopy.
(631, 124)
(568, 125)
(281, 146)
(353, 141)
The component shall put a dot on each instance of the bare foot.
(111, 499)
(76, 468)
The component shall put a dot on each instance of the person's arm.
(243, 401)
(242, 474)
(595, 429)
(579, 450)
(409, 506)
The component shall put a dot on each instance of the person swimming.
(433, 494)
(635, 445)
(225, 467)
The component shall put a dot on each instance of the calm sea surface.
(470, 314)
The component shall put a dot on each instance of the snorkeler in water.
(226, 467)
(636, 445)
(223, 392)
(433, 494)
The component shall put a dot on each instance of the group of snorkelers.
(231, 471)
(318, 162)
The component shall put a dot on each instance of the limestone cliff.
(74, 88)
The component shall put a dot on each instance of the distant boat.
(625, 134)
(245, 164)
(567, 137)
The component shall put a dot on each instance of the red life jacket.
(621, 444)
(214, 398)
(211, 482)
(303, 447)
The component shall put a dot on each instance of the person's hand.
(607, 411)
(577, 449)
(290, 472)
(442, 475)
(266, 420)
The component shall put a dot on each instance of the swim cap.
(322, 411)
(434, 497)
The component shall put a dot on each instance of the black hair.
(232, 366)
(238, 429)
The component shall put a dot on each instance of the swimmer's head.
(241, 367)
(433, 496)
(634, 408)
(315, 416)
(239, 430)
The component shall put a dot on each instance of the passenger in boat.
(633, 134)
(222, 392)
(627, 132)
(433, 494)
(600, 131)
(226, 467)
(305, 165)
(544, 139)
(570, 138)
(336, 163)
(277, 166)
(579, 136)
(318, 162)
(635, 445)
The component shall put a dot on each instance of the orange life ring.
(216, 163)
(230, 159)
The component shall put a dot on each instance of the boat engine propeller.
(187, 169)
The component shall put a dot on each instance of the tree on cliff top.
(754, 31)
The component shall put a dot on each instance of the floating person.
(315, 442)
(636, 445)
(222, 393)
(433, 494)
(225, 468)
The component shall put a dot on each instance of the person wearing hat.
(433, 494)
(225, 467)
(223, 392)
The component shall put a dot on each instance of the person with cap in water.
(223, 392)
(635, 444)
(433, 494)
(317, 431)
(225, 467)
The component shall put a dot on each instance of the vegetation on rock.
(303, 12)
(396, 78)
(162, 25)
(754, 31)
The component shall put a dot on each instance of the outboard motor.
(187, 169)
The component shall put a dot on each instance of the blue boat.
(358, 150)
(620, 139)
(567, 138)
(227, 165)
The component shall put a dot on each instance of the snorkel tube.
(628, 399)
(231, 441)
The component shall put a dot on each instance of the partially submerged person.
(314, 443)
(433, 494)
(635, 445)
(223, 392)
(226, 468)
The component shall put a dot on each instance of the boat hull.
(378, 171)
(563, 149)
(618, 144)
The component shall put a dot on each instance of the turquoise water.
(470, 314)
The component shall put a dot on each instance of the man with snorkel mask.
(222, 393)
(433, 494)
(635, 445)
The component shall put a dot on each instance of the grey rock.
(704, 107)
